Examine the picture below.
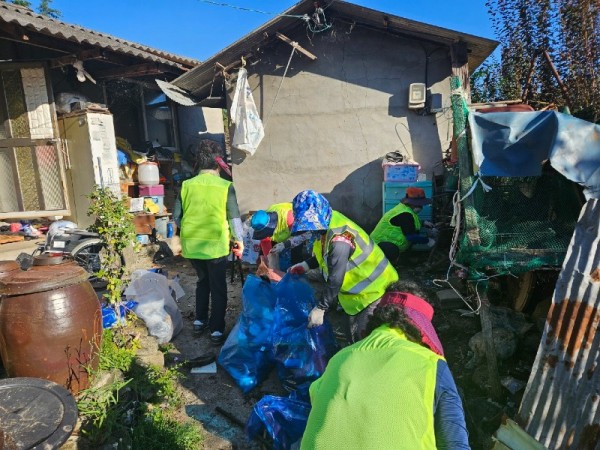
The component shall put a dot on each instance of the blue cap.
(264, 224)
(260, 219)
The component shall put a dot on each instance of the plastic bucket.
(148, 174)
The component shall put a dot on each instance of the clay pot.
(50, 324)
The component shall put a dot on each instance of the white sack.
(156, 306)
(249, 129)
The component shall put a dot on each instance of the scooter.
(66, 240)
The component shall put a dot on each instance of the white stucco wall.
(193, 120)
(336, 117)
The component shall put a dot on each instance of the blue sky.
(200, 29)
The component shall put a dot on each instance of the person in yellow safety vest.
(391, 390)
(272, 226)
(208, 216)
(399, 228)
(355, 269)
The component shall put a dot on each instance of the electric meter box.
(416, 95)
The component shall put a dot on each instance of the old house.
(44, 62)
(332, 87)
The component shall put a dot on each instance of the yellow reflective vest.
(375, 394)
(386, 232)
(204, 229)
(282, 231)
(368, 272)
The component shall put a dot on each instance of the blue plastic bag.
(272, 330)
(301, 353)
(284, 419)
(246, 354)
(109, 313)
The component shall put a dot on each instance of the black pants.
(211, 288)
(391, 251)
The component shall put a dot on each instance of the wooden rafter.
(138, 70)
(294, 44)
(84, 55)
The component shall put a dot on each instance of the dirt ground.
(209, 398)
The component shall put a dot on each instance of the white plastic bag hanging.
(249, 129)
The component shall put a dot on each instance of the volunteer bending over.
(273, 228)
(354, 268)
(399, 228)
(392, 390)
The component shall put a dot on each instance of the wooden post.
(488, 338)
(460, 66)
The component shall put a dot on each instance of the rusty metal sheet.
(560, 404)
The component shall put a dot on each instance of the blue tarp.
(515, 144)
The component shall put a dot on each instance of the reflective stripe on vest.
(351, 401)
(386, 232)
(282, 232)
(368, 272)
(204, 227)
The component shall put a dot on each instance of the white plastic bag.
(156, 306)
(249, 129)
(251, 246)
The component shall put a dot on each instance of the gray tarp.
(515, 145)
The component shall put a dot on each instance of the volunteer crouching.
(391, 390)
(355, 269)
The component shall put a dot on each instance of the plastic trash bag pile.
(271, 332)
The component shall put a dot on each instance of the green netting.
(521, 224)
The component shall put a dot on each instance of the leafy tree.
(568, 30)
(44, 8)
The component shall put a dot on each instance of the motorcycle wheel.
(91, 255)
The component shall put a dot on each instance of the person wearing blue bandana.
(355, 270)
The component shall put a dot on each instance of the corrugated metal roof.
(31, 20)
(560, 403)
(198, 80)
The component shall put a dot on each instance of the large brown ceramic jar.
(50, 324)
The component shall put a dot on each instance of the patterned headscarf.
(311, 212)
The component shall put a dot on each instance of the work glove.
(278, 248)
(238, 249)
(315, 317)
(299, 269)
(428, 224)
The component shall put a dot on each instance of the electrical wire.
(241, 8)
(317, 23)
(279, 88)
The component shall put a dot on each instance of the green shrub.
(140, 411)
